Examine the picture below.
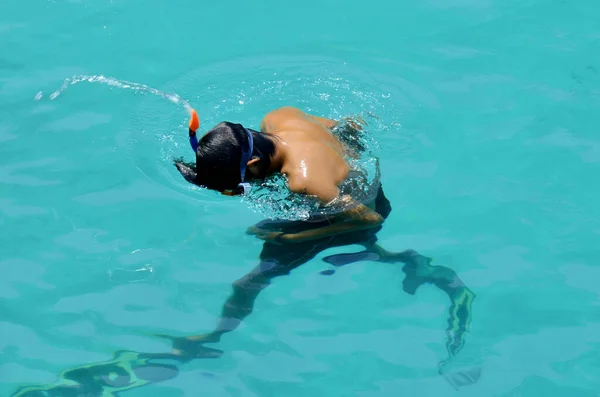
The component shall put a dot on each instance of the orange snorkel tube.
(193, 127)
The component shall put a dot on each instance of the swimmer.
(290, 142)
(304, 148)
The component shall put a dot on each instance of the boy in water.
(293, 143)
(302, 147)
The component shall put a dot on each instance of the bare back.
(314, 158)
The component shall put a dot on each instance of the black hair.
(219, 155)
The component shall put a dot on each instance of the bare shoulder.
(286, 111)
(280, 116)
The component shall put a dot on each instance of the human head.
(219, 154)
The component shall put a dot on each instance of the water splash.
(174, 98)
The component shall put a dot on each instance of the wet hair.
(219, 155)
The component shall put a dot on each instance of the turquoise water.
(487, 115)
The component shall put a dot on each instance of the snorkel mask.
(243, 187)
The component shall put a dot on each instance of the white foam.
(174, 98)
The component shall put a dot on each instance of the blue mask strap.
(246, 156)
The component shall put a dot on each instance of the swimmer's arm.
(357, 217)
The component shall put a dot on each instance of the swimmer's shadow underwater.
(128, 370)
(278, 258)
